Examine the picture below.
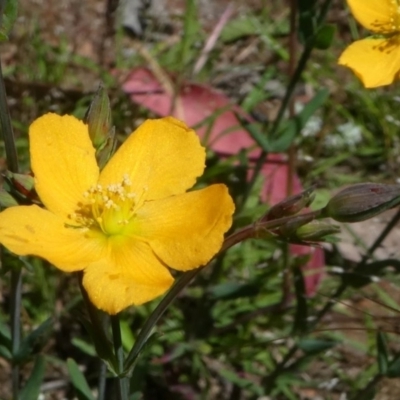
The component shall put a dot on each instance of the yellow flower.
(125, 225)
(375, 60)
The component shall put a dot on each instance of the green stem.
(122, 381)
(273, 132)
(16, 286)
(16, 277)
(102, 380)
(6, 128)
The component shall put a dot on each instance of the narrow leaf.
(382, 356)
(78, 381)
(31, 391)
(34, 342)
(394, 369)
(315, 346)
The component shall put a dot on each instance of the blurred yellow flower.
(375, 60)
(125, 225)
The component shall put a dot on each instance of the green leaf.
(34, 342)
(315, 346)
(84, 346)
(240, 382)
(394, 369)
(128, 340)
(78, 381)
(257, 133)
(8, 18)
(382, 356)
(191, 33)
(239, 28)
(5, 353)
(31, 391)
(291, 128)
(233, 290)
(294, 125)
(324, 37)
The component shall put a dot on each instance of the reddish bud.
(362, 201)
(291, 205)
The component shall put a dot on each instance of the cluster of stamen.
(394, 27)
(108, 208)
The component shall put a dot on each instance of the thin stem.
(290, 89)
(102, 380)
(298, 71)
(383, 235)
(122, 382)
(6, 128)
(16, 273)
(251, 231)
(285, 102)
(16, 287)
(291, 68)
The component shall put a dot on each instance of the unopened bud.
(289, 228)
(362, 201)
(101, 132)
(316, 231)
(291, 205)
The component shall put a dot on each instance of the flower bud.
(98, 118)
(291, 205)
(316, 231)
(362, 201)
(289, 228)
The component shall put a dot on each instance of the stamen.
(108, 208)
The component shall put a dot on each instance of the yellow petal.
(31, 230)
(187, 230)
(375, 61)
(63, 161)
(379, 16)
(162, 157)
(132, 274)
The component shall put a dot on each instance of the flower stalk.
(122, 381)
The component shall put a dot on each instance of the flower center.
(109, 208)
(394, 24)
